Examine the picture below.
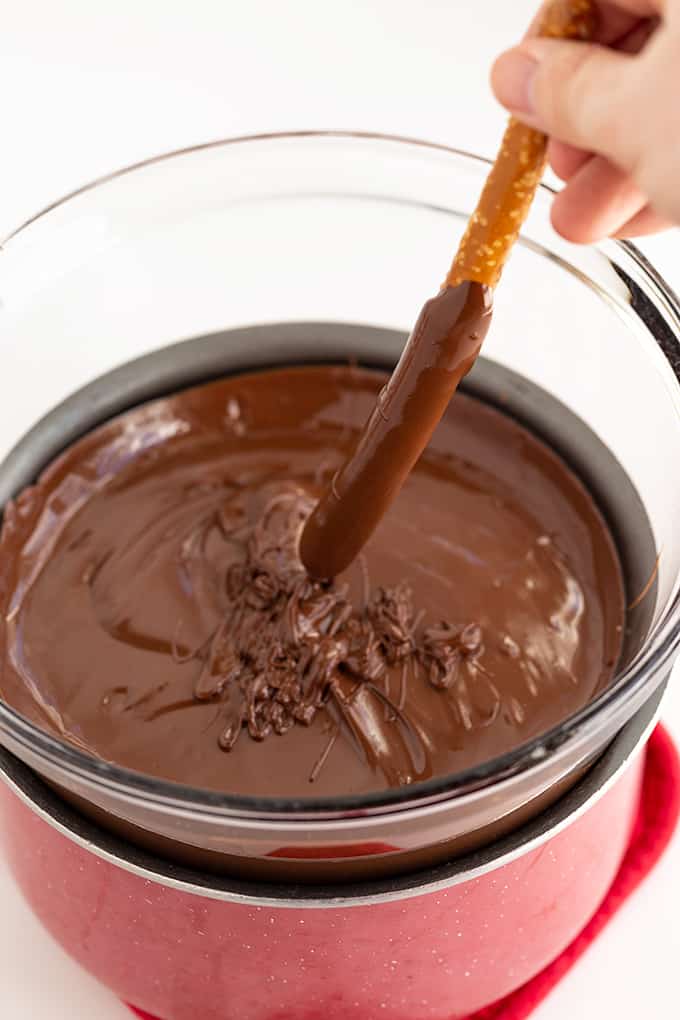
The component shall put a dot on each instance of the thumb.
(580, 93)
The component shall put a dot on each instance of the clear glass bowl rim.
(648, 666)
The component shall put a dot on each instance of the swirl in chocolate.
(157, 613)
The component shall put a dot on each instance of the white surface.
(89, 87)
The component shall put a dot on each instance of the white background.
(90, 86)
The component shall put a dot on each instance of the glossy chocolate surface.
(156, 613)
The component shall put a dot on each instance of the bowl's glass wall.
(344, 229)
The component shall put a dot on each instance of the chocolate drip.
(288, 647)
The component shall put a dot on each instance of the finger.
(598, 200)
(627, 35)
(645, 222)
(565, 159)
(571, 91)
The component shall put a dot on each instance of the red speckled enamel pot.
(436, 945)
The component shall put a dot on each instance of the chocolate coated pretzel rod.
(444, 343)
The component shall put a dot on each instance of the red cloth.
(655, 824)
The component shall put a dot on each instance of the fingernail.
(513, 78)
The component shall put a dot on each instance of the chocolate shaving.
(445, 648)
(289, 646)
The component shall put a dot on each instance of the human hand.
(612, 111)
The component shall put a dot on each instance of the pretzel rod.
(443, 344)
(516, 173)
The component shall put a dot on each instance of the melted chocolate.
(157, 614)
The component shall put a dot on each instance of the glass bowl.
(313, 246)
